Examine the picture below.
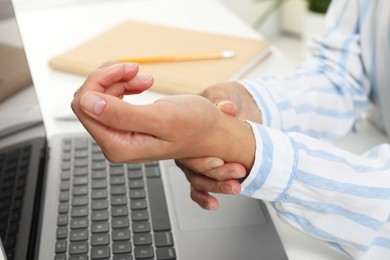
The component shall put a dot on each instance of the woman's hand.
(174, 127)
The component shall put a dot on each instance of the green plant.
(318, 6)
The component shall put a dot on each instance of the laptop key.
(138, 204)
(99, 215)
(152, 172)
(163, 239)
(77, 248)
(62, 220)
(79, 235)
(99, 194)
(142, 252)
(61, 246)
(81, 180)
(120, 234)
(123, 257)
(100, 239)
(99, 227)
(158, 205)
(78, 257)
(79, 211)
(99, 174)
(99, 204)
(80, 190)
(139, 215)
(141, 227)
(79, 223)
(118, 200)
(80, 201)
(60, 257)
(117, 180)
(119, 211)
(120, 222)
(62, 233)
(121, 247)
(64, 186)
(117, 170)
(137, 194)
(100, 252)
(118, 190)
(135, 173)
(142, 239)
(63, 207)
(166, 253)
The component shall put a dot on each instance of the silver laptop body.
(74, 205)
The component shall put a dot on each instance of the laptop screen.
(14, 71)
(22, 144)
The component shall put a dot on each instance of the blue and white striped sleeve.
(334, 195)
(325, 96)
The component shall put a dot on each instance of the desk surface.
(47, 31)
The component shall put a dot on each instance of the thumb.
(227, 107)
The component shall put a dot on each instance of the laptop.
(61, 199)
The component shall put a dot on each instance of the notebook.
(140, 39)
(61, 199)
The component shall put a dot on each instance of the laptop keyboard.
(110, 211)
(13, 172)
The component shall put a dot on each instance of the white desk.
(49, 31)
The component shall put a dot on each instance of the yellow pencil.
(181, 57)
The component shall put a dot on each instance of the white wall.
(251, 10)
(290, 17)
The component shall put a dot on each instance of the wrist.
(238, 144)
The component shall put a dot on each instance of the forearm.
(319, 188)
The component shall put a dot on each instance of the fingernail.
(231, 189)
(236, 174)
(93, 103)
(131, 65)
(215, 162)
(227, 189)
(236, 190)
(211, 206)
(145, 77)
(222, 103)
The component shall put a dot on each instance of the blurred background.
(289, 24)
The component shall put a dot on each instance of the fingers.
(204, 183)
(105, 76)
(227, 107)
(118, 114)
(204, 199)
(116, 79)
(213, 168)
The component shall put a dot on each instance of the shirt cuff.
(261, 93)
(274, 165)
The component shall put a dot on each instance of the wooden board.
(137, 39)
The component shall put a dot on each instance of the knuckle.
(110, 154)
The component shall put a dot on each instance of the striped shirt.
(332, 194)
